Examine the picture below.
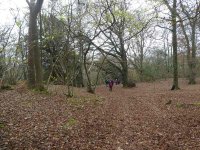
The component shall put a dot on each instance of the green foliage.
(70, 123)
(27, 104)
(148, 73)
(185, 105)
(2, 125)
(62, 18)
(197, 104)
(157, 66)
(109, 17)
(3, 62)
(179, 105)
(80, 102)
(60, 58)
(41, 90)
(76, 102)
(108, 70)
(131, 21)
(18, 23)
(6, 87)
(157, 2)
(10, 76)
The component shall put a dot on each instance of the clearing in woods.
(148, 117)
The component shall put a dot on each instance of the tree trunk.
(192, 64)
(124, 70)
(38, 66)
(90, 89)
(125, 75)
(34, 55)
(81, 62)
(174, 40)
(124, 63)
(141, 62)
(31, 47)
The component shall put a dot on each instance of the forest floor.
(124, 119)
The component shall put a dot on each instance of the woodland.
(56, 57)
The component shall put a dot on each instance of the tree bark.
(174, 40)
(124, 65)
(34, 55)
(191, 47)
(31, 47)
(192, 62)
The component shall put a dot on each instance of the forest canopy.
(83, 43)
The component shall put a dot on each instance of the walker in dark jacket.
(111, 82)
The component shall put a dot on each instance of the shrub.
(131, 84)
(6, 87)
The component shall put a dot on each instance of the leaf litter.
(124, 119)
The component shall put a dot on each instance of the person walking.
(107, 82)
(111, 82)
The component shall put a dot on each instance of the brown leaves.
(122, 119)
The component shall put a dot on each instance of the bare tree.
(139, 47)
(173, 10)
(116, 28)
(188, 17)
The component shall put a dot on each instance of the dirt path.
(124, 119)
(145, 122)
(134, 115)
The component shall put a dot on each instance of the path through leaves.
(124, 119)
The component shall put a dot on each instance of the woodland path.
(124, 119)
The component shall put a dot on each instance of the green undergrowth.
(26, 103)
(80, 101)
(41, 91)
(1, 125)
(196, 104)
(185, 105)
(70, 123)
(6, 87)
